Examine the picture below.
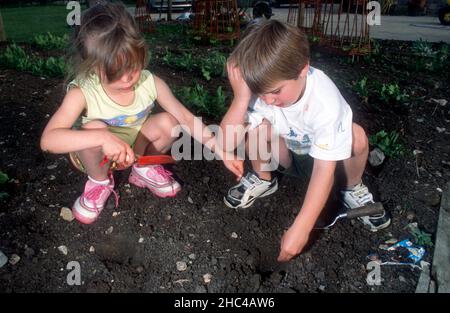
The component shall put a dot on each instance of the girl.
(117, 96)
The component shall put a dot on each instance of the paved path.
(407, 28)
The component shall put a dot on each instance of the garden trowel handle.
(366, 210)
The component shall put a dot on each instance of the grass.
(24, 23)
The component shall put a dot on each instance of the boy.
(299, 114)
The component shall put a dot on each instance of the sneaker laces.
(361, 192)
(95, 193)
(246, 182)
(163, 172)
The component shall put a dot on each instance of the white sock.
(103, 182)
(351, 187)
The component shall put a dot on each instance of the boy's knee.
(360, 140)
(94, 125)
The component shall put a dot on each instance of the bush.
(201, 102)
(15, 57)
(51, 42)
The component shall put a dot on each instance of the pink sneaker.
(155, 178)
(88, 206)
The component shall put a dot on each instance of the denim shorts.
(302, 165)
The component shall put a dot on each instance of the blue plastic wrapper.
(416, 253)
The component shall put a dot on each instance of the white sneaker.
(359, 196)
(248, 190)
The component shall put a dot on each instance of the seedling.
(388, 143)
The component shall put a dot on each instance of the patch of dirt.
(136, 249)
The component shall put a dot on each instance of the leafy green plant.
(428, 58)
(49, 41)
(423, 48)
(195, 97)
(201, 102)
(219, 102)
(213, 65)
(388, 143)
(361, 89)
(391, 93)
(183, 62)
(15, 57)
(420, 237)
(3, 180)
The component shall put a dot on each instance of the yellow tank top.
(99, 106)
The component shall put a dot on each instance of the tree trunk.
(2, 29)
(169, 10)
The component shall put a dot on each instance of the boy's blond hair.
(271, 51)
(107, 40)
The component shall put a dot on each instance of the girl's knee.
(360, 140)
(167, 123)
(169, 119)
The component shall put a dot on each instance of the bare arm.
(233, 123)
(58, 137)
(193, 125)
(319, 189)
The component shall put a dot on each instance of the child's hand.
(117, 150)
(234, 165)
(292, 243)
(238, 84)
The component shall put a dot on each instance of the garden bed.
(136, 246)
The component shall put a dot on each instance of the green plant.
(388, 143)
(3, 180)
(16, 58)
(423, 48)
(427, 58)
(361, 89)
(201, 102)
(49, 41)
(219, 102)
(183, 62)
(420, 237)
(213, 65)
(391, 93)
(194, 97)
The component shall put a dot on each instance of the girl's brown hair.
(271, 51)
(107, 41)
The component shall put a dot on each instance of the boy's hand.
(292, 243)
(238, 84)
(234, 165)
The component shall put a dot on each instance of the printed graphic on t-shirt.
(129, 120)
(296, 143)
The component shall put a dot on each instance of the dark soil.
(196, 227)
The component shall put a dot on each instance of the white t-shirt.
(319, 124)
